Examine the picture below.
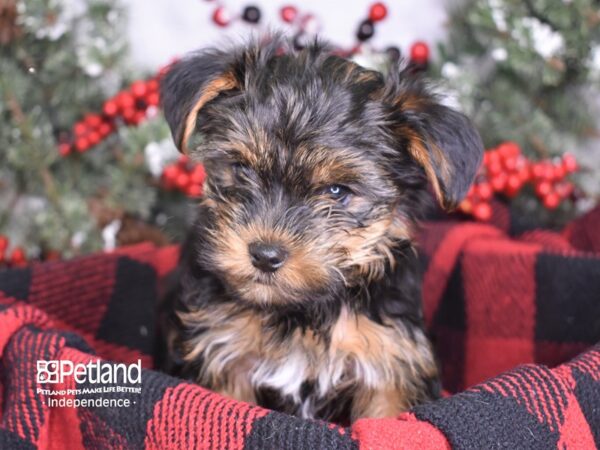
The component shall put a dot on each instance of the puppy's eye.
(337, 192)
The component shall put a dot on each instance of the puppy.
(299, 287)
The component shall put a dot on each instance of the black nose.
(267, 257)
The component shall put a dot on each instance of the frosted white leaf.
(311, 25)
(93, 69)
(499, 54)
(546, 41)
(369, 60)
(497, 9)
(450, 70)
(595, 58)
(68, 11)
(78, 239)
(53, 32)
(585, 205)
(449, 98)
(109, 235)
(100, 44)
(112, 16)
(152, 112)
(158, 155)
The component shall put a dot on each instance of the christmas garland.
(506, 171)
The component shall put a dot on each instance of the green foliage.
(67, 60)
(528, 71)
(522, 69)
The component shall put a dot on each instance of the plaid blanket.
(501, 311)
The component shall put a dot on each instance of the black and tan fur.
(336, 332)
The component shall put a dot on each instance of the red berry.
(513, 185)
(543, 188)
(498, 182)
(491, 157)
(524, 173)
(94, 138)
(198, 174)
(508, 149)
(3, 242)
(510, 163)
(548, 171)
(288, 13)
(569, 163)
(169, 175)
(80, 129)
(139, 117)
(551, 200)
(377, 12)
(110, 108)
(471, 191)
(521, 162)
(466, 206)
(164, 69)
(194, 190)
(484, 191)
(171, 172)
(153, 99)
(182, 181)
(494, 167)
(125, 101)
(183, 161)
(17, 258)
(221, 17)
(64, 149)
(105, 129)
(93, 120)
(139, 88)
(82, 144)
(537, 171)
(559, 172)
(129, 114)
(152, 84)
(419, 53)
(482, 211)
(564, 189)
(486, 157)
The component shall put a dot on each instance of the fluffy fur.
(330, 162)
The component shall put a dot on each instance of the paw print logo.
(47, 371)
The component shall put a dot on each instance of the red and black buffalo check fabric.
(507, 315)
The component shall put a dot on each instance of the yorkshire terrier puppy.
(299, 288)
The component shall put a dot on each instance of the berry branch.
(506, 171)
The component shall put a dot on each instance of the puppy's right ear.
(188, 86)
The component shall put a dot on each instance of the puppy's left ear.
(189, 85)
(443, 141)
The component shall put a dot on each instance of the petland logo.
(94, 372)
